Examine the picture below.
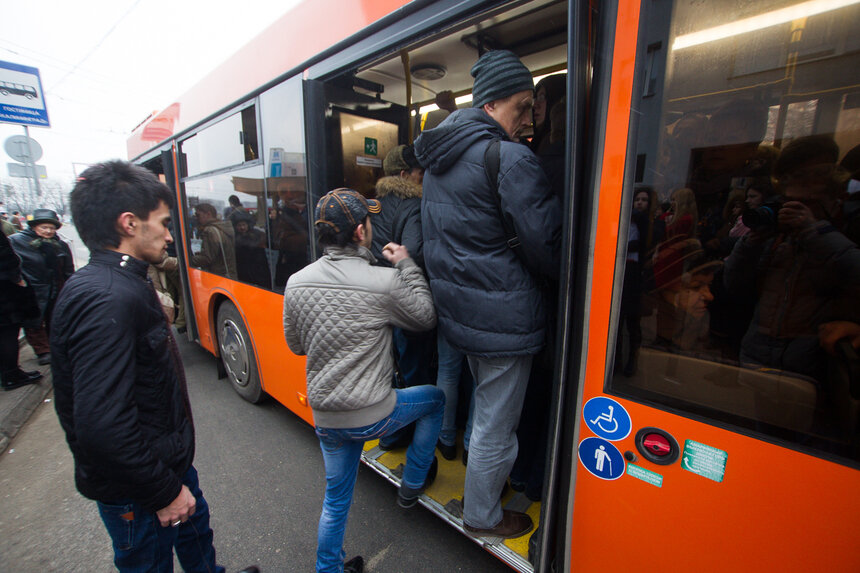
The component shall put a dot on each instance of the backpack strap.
(492, 162)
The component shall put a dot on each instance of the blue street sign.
(601, 458)
(607, 418)
(22, 100)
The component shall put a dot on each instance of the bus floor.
(445, 497)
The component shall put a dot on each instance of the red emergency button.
(657, 444)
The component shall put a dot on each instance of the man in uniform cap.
(488, 297)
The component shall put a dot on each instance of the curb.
(16, 406)
(26, 400)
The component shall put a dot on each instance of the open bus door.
(712, 428)
(358, 131)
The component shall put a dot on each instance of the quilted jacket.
(339, 312)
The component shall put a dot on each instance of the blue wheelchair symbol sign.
(607, 418)
(601, 458)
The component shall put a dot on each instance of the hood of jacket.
(438, 149)
(398, 187)
(225, 227)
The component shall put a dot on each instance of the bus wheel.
(237, 354)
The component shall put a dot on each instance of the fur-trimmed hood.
(397, 186)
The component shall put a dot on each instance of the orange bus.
(704, 402)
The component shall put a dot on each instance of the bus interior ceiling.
(536, 32)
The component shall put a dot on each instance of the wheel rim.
(234, 353)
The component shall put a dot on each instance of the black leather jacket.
(119, 388)
(46, 267)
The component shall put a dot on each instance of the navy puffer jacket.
(488, 302)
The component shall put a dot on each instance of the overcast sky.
(106, 64)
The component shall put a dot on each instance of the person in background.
(251, 262)
(682, 217)
(339, 311)
(399, 221)
(548, 92)
(487, 295)
(217, 253)
(18, 220)
(16, 305)
(119, 384)
(46, 262)
(8, 228)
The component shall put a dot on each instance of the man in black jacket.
(119, 385)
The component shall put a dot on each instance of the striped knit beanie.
(499, 74)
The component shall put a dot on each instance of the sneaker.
(354, 565)
(45, 358)
(408, 497)
(448, 452)
(513, 524)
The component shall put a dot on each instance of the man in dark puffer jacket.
(488, 299)
(119, 385)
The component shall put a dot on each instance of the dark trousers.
(9, 348)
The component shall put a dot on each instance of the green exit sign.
(370, 146)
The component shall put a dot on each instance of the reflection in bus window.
(288, 226)
(742, 302)
(228, 229)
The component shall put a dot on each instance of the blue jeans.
(142, 545)
(500, 387)
(448, 379)
(341, 448)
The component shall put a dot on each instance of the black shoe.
(18, 379)
(183, 330)
(513, 524)
(31, 374)
(518, 486)
(448, 452)
(44, 358)
(465, 457)
(408, 497)
(354, 565)
(251, 569)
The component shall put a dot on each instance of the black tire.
(237, 354)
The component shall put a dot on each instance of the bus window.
(228, 225)
(230, 142)
(287, 211)
(741, 290)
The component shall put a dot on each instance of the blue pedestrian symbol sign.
(607, 418)
(601, 458)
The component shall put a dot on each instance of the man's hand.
(830, 333)
(394, 253)
(180, 509)
(794, 216)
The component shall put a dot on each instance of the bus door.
(716, 426)
(349, 133)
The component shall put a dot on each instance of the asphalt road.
(261, 471)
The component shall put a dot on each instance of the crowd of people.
(757, 265)
(36, 263)
(424, 274)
